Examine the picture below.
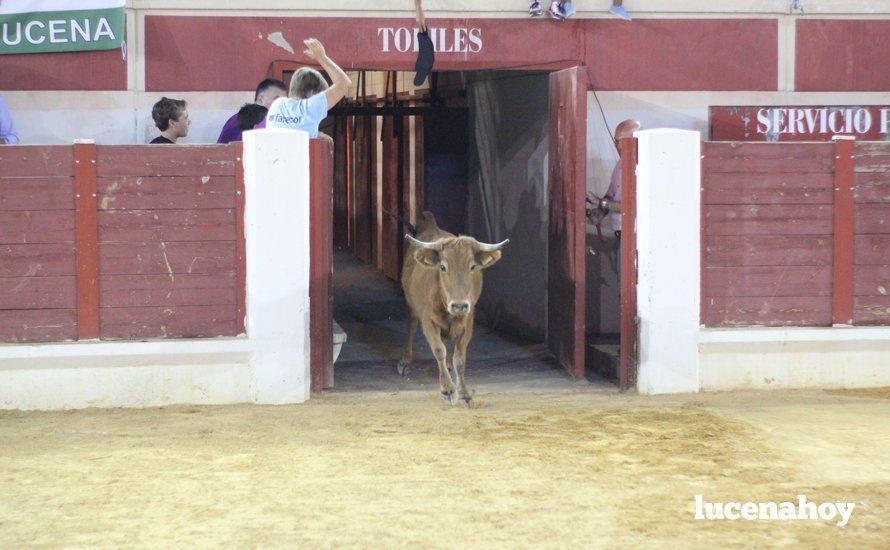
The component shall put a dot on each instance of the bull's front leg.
(460, 362)
(404, 366)
(437, 346)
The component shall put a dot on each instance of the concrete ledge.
(792, 334)
(124, 353)
(77, 375)
(780, 358)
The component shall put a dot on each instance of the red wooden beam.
(842, 271)
(240, 243)
(86, 240)
(627, 372)
(321, 264)
(703, 294)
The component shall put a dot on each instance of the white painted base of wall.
(768, 358)
(77, 375)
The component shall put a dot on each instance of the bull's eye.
(442, 268)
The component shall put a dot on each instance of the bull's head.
(457, 260)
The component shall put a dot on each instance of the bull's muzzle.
(459, 308)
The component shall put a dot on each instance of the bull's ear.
(487, 259)
(427, 257)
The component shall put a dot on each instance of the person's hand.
(314, 49)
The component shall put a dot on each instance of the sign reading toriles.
(799, 123)
(38, 26)
(451, 40)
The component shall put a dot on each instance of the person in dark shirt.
(250, 115)
(171, 116)
(268, 91)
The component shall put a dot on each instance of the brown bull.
(442, 280)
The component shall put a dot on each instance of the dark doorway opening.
(475, 148)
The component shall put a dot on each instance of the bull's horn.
(485, 247)
(421, 244)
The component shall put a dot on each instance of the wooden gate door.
(566, 235)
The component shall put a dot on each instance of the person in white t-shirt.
(309, 97)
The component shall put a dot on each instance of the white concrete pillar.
(276, 181)
(669, 245)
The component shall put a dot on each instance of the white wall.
(778, 358)
(276, 181)
(668, 248)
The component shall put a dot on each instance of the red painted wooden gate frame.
(627, 372)
(842, 250)
(86, 223)
(321, 264)
(240, 243)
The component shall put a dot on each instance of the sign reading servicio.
(799, 123)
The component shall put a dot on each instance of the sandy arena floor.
(576, 468)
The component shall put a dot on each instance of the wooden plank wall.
(871, 274)
(37, 253)
(767, 234)
(167, 241)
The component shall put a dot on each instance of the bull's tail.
(402, 220)
(426, 221)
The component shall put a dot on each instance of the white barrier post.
(669, 247)
(276, 181)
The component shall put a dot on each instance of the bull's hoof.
(404, 367)
(449, 397)
(467, 400)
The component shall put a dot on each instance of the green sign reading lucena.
(45, 29)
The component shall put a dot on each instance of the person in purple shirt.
(268, 91)
(8, 135)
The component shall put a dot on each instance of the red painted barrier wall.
(37, 256)
(167, 217)
(100, 70)
(164, 223)
(767, 234)
(796, 234)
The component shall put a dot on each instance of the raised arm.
(340, 81)
(418, 15)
